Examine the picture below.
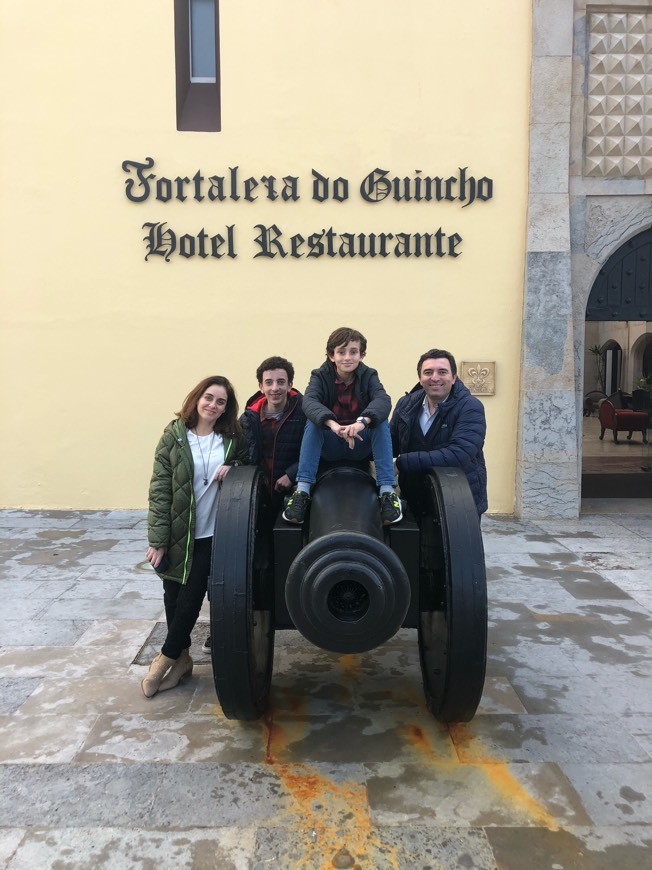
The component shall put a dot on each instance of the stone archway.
(642, 357)
(576, 220)
(618, 305)
(622, 289)
(613, 359)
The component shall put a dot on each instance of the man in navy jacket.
(439, 423)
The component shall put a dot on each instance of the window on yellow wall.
(196, 39)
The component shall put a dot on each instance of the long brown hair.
(227, 423)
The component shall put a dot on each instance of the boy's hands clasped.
(350, 433)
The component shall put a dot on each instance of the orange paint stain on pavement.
(471, 754)
(279, 736)
(497, 771)
(350, 664)
(504, 781)
(540, 616)
(332, 820)
(419, 740)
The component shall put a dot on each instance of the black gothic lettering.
(375, 187)
(180, 182)
(198, 178)
(453, 241)
(160, 242)
(267, 239)
(320, 186)
(485, 188)
(340, 189)
(164, 189)
(269, 181)
(291, 188)
(316, 245)
(216, 190)
(249, 185)
(143, 179)
(187, 246)
(295, 243)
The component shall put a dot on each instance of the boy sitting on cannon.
(347, 410)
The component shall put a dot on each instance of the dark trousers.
(183, 603)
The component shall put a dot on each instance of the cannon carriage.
(348, 584)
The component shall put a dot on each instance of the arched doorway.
(642, 357)
(613, 358)
(618, 342)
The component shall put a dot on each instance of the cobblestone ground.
(348, 769)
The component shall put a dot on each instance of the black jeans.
(183, 603)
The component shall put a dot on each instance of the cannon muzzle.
(346, 591)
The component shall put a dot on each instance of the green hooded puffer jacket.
(171, 516)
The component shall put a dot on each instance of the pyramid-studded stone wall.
(619, 95)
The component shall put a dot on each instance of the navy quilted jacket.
(457, 443)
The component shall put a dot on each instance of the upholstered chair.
(622, 420)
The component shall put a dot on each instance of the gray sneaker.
(390, 508)
(295, 512)
(206, 646)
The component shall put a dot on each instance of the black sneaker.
(390, 508)
(206, 647)
(295, 511)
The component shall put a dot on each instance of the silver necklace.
(201, 453)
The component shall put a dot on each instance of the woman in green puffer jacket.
(192, 459)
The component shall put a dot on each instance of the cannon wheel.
(241, 595)
(453, 598)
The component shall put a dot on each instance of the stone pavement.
(348, 769)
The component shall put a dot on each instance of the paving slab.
(347, 768)
(124, 849)
(594, 848)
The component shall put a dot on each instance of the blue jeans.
(324, 443)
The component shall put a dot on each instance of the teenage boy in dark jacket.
(347, 410)
(439, 423)
(273, 424)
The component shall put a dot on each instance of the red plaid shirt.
(268, 426)
(346, 407)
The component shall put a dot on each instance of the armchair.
(622, 420)
(642, 400)
(592, 401)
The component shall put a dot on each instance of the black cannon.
(348, 584)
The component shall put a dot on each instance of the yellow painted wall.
(99, 347)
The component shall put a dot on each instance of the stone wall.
(581, 209)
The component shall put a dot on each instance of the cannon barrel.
(345, 499)
(346, 591)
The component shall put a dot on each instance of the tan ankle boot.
(157, 670)
(180, 669)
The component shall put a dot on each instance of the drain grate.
(154, 642)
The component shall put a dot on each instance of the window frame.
(200, 79)
(198, 103)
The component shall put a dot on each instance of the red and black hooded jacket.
(287, 441)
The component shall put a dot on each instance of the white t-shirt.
(207, 456)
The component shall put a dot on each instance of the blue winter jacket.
(457, 443)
